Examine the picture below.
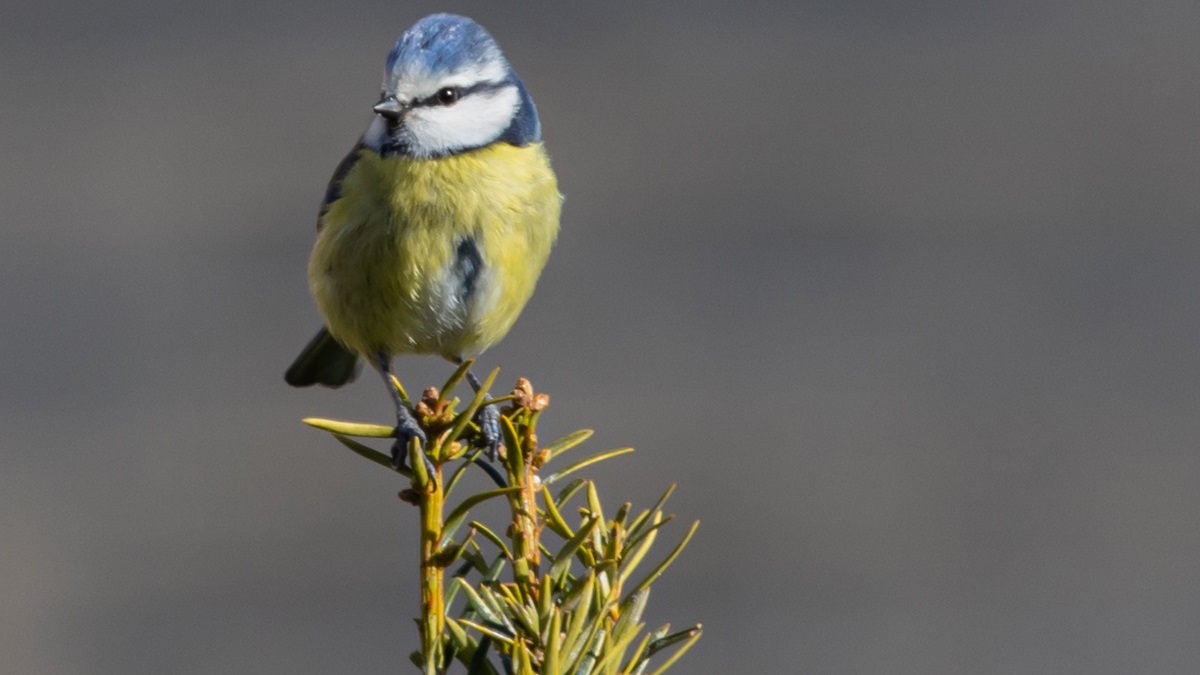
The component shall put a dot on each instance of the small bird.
(434, 229)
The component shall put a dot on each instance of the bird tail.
(323, 361)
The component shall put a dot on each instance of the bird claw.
(406, 431)
(488, 418)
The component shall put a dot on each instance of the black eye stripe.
(463, 92)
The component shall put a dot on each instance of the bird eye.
(446, 95)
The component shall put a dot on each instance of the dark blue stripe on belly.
(468, 265)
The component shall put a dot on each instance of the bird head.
(447, 88)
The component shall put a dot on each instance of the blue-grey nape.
(443, 43)
(526, 128)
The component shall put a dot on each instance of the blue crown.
(443, 43)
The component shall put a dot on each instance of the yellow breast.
(434, 255)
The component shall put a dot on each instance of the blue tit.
(436, 226)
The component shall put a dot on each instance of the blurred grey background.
(904, 296)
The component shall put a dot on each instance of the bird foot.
(488, 418)
(406, 430)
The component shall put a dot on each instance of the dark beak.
(390, 109)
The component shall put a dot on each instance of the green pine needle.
(561, 608)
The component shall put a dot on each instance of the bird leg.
(488, 418)
(406, 425)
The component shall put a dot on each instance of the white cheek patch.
(475, 120)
